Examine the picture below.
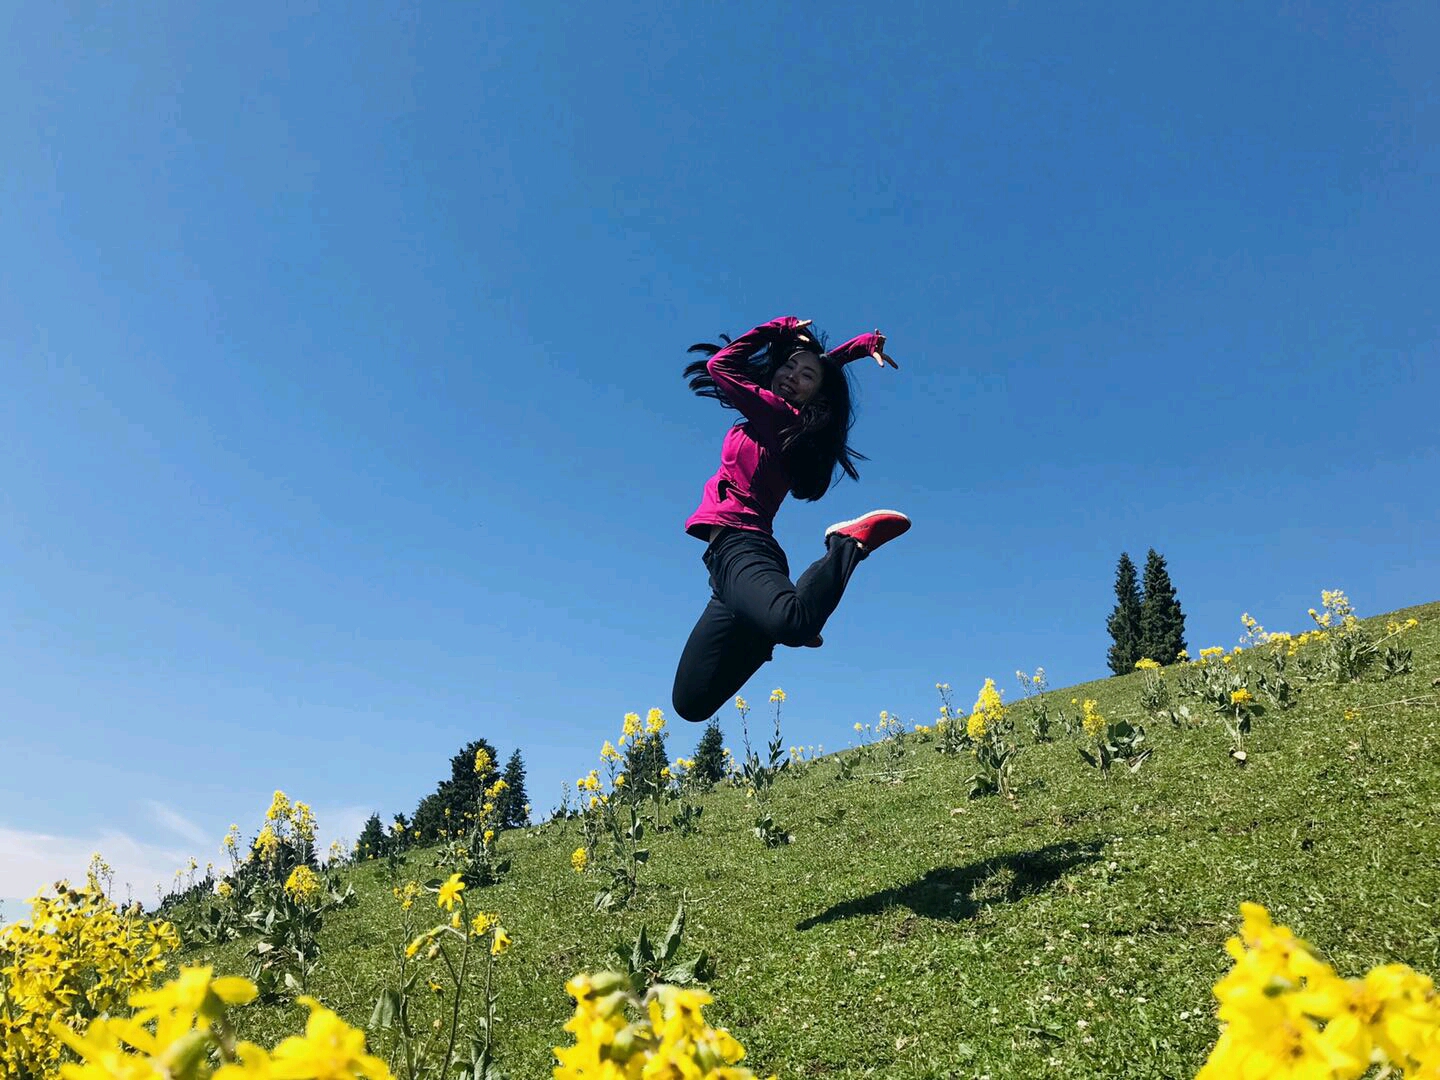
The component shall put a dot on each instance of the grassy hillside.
(912, 932)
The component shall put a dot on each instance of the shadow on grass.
(960, 892)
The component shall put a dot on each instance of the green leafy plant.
(1112, 741)
(760, 776)
(646, 964)
(992, 746)
(443, 958)
(1037, 709)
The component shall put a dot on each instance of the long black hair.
(818, 443)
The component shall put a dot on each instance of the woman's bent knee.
(691, 709)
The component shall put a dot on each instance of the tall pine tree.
(1162, 623)
(709, 755)
(372, 842)
(510, 807)
(461, 793)
(1124, 621)
(644, 758)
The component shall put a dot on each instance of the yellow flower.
(224, 889)
(267, 844)
(450, 893)
(1093, 722)
(303, 820)
(483, 762)
(329, 1050)
(988, 712)
(859, 726)
(741, 704)
(1241, 697)
(579, 859)
(489, 836)
(1147, 665)
(620, 781)
(279, 808)
(654, 722)
(632, 725)
(500, 942)
(608, 752)
(481, 924)
(302, 885)
(776, 696)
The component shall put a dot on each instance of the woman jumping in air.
(795, 398)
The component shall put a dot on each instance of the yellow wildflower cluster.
(483, 762)
(231, 844)
(1392, 627)
(302, 820)
(777, 696)
(672, 1039)
(1091, 719)
(302, 885)
(267, 844)
(174, 1031)
(889, 724)
(1336, 612)
(1213, 653)
(655, 719)
(1288, 1014)
(279, 808)
(1241, 697)
(408, 894)
(989, 711)
(1147, 665)
(579, 859)
(78, 955)
(285, 822)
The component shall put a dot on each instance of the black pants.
(753, 608)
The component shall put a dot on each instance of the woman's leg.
(722, 653)
(751, 577)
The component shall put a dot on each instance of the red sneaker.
(872, 529)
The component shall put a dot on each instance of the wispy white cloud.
(167, 817)
(341, 823)
(31, 861)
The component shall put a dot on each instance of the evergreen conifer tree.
(372, 841)
(644, 758)
(510, 807)
(1124, 621)
(404, 837)
(1162, 623)
(466, 790)
(430, 815)
(709, 755)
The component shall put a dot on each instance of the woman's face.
(798, 379)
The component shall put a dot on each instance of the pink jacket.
(753, 478)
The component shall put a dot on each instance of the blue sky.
(344, 418)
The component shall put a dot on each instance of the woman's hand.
(790, 325)
(879, 354)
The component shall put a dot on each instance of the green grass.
(1077, 931)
